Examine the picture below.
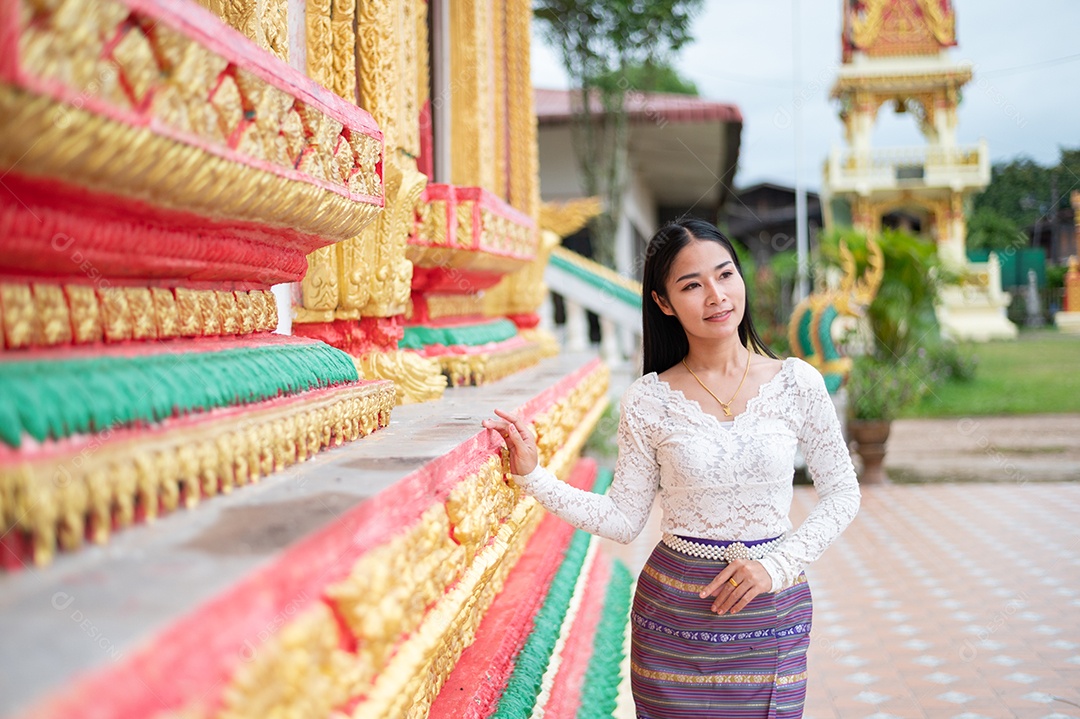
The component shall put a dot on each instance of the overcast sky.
(1024, 98)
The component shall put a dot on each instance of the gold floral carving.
(51, 309)
(502, 79)
(486, 367)
(46, 314)
(320, 42)
(343, 62)
(413, 604)
(390, 279)
(566, 218)
(472, 121)
(193, 92)
(523, 291)
(264, 22)
(55, 497)
(21, 323)
(319, 288)
(524, 161)
(300, 671)
(415, 378)
(455, 305)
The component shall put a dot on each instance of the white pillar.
(609, 343)
(577, 326)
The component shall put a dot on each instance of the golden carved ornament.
(264, 22)
(486, 367)
(320, 42)
(409, 682)
(415, 378)
(164, 468)
(566, 218)
(414, 603)
(523, 291)
(299, 671)
(343, 62)
(43, 315)
(193, 91)
(472, 122)
(439, 306)
(524, 163)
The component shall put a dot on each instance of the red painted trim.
(357, 337)
(196, 655)
(474, 686)
(9, 40)
(56, 231)
(565, 697)
(525, 321)
(426, 160)
(451, 280)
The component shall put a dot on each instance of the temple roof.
(886, 28)
(554, 107)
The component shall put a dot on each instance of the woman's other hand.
(738, 583)
(522, 445)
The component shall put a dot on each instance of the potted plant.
(878, 391)
(891, 373)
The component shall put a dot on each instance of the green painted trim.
(56, 399)
(519, 698)
(601, 283)
(600, 688)
(470, 335)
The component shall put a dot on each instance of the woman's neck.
(725, 356)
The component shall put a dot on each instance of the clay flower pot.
(870, 436)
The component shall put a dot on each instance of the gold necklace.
(723, 405)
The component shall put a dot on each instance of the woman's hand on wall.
(519, 440)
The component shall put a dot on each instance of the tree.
(652, 77)
(1023, 192)
(600, 43)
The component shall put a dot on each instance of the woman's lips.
(720, 317)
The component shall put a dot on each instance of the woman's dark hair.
(663, 338)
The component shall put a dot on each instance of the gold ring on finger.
(732, 582)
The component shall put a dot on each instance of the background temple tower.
(896, 52)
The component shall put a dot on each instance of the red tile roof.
(553, 107)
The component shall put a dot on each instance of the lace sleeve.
(621, 513)
(830, 467)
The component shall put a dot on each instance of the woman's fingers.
(717, 583)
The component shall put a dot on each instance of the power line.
(1032, 66)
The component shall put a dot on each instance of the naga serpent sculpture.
(810, 330)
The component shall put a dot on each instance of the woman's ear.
(662, 304)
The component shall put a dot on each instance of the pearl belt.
(721, 551)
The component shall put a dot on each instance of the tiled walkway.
(944, 601)
(949, 601)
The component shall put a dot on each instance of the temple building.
(266, 265)
(895, 55)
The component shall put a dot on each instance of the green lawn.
(1038, 373)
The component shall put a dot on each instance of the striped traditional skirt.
(687, 661)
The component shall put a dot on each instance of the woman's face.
(705, 291)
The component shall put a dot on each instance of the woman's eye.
(691, 286)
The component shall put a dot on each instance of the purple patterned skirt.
(688, 662)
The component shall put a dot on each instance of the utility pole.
(802, 243)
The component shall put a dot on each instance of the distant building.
(762, 218)
(683, 152)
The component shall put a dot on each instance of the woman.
(721, 616)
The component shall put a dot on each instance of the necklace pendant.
(727, 412)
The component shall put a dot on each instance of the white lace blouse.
(720, 480)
